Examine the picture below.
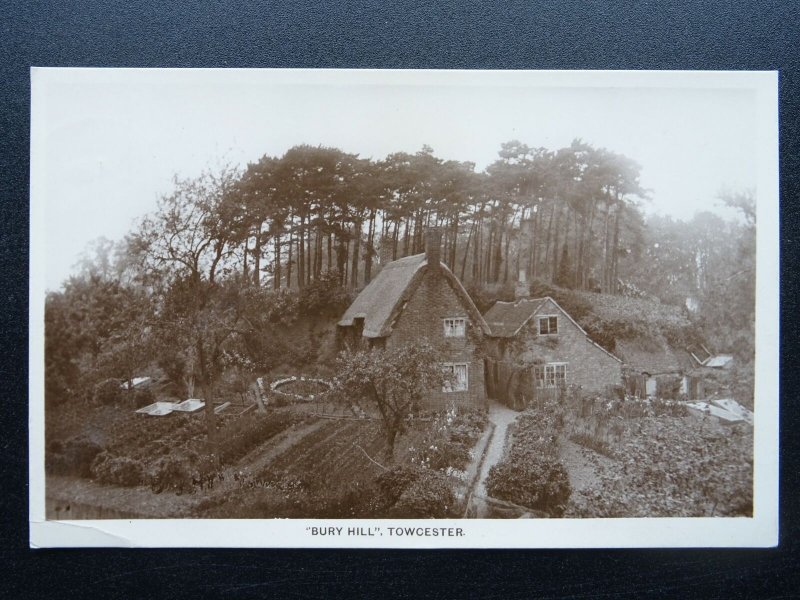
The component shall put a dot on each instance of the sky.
(107, 143)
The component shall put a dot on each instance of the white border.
(759, 531)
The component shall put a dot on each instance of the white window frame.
(451, 328)
(548, 317)
(549, 375)
(448, 387)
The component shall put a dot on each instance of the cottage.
(536, 345)
(655, 364)
(418, 298)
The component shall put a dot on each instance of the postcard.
(403, 309)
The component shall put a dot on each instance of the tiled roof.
(505, 318)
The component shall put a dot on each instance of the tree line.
(284, 221)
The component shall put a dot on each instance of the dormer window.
(548, 325)
(455, 327)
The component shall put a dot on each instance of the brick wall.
(422, 318)
(588, 366)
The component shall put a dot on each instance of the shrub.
(531, 473)
(143, 397)
(324, 297)
(108, 391)
(414, 493)
(674, 467)
(394, 482)
(174, 473)
(449, 441)
(540, 482)
(430, 496)
(73, 458)
(572, 303)
(117, 470)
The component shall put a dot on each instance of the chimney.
(433, 247)
(386, 250)
(522, 289)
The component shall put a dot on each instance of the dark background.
(761, 35)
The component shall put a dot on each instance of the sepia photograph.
(354, 308)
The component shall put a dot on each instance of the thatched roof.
(650, 353)
(382, 301)
(653, 356)
(505, 319)
(624, 308)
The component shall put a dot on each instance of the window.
(458, 376)
(551, 375)
(548, 325)
(455, 327)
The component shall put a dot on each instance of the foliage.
(324, 297)
(108, 391)
(448, 443)
(674, 467)
(391, 381)
(540, 483)
(530, 473)
(428, 495)
(574, 304)
(593, 442)
(73, 457)
(174, 473)
(117, 470)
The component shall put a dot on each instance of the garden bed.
(297, 388)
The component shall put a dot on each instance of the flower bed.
(297, 388)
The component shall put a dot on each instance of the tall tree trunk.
(505, 259)
(257, 258)
(315, 261)
(370, 248)
(244, 259)
(605, 285)
(330, 250)
(356, 251)
(615, 247)
(569, 277)
(487, 269)
(289, 261)
(555, 244)
(301, 254)
(206, 389)
(547, 240)
(309, 271)
(454, 244)
(466, 249)
(276, 280)
(534, 255)
(341, 257)
(476, 253)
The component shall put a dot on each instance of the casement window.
(455, 327)
(550, 375)
(548, 325)
(458, 377)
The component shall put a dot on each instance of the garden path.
(501, 417)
